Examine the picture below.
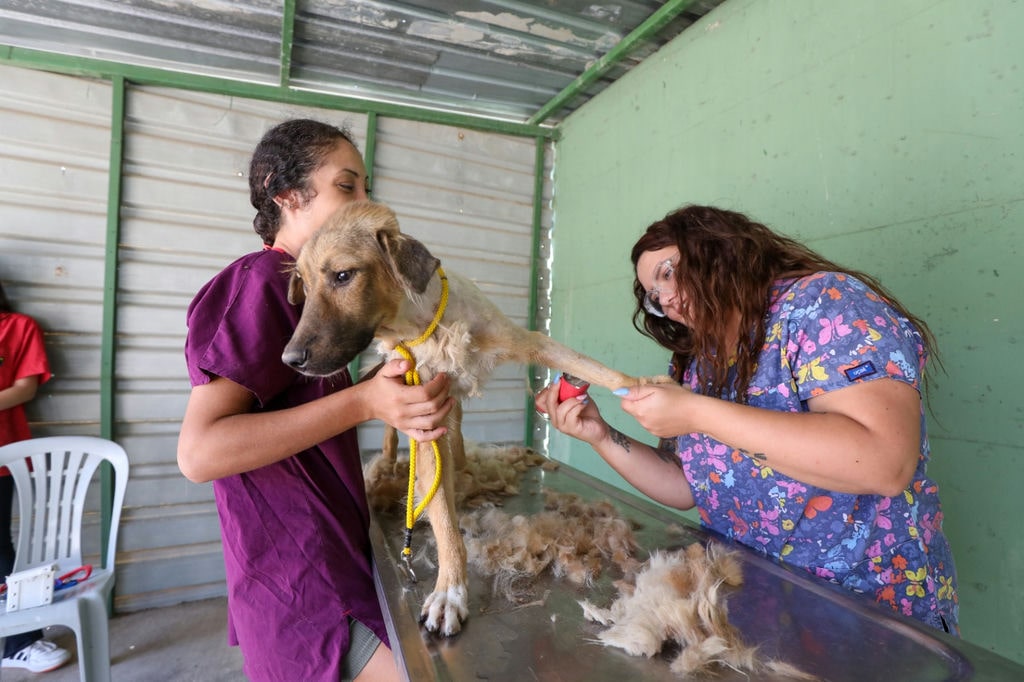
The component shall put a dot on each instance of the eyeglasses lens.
(652, 306)
(664, 271)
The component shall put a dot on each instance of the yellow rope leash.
(412, 378)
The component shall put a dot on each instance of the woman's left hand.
(662, 409)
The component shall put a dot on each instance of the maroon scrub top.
(295, 533)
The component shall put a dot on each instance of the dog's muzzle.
(296, 358)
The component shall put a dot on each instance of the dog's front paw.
(444, 610)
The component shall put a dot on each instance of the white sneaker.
(41, 656)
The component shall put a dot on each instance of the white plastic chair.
(51, 502)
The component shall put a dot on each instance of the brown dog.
(362, 279)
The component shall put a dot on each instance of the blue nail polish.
(621, 392)
(554, 379)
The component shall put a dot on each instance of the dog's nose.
(295, 358)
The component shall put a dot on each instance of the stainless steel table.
(820, 628)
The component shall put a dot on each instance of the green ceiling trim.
(654, 23)
(144, 75)
(287, 40)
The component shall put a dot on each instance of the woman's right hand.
(417, 411)
(658, 475)
(577, 417)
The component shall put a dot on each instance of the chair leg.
(93, 638)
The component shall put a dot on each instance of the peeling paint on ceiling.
(496, 58)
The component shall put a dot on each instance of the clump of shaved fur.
(680, 597)
(571, 538)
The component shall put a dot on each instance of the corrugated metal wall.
(184, 215)
(54, 151)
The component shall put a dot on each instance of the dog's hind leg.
(448, 605)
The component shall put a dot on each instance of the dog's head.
(352, 277)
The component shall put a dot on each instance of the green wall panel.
(887, 135)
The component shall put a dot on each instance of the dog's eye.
(343, 277)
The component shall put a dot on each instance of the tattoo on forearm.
(621, 440)
(666, 451)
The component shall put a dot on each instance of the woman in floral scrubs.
(797, 427)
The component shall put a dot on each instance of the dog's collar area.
(442, 304)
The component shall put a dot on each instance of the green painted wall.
(890, 136)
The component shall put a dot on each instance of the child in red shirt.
(23, 367)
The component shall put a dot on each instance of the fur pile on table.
(674, 601)
(680, 597)
(571, 538)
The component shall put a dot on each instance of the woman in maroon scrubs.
(281, 447)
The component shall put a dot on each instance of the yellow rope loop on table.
(412, 378)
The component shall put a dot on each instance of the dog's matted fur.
(362, 279)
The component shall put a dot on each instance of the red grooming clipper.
(570, 387)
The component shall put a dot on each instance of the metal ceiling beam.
(145, 75)
(115, 176)
(538, 228)
(654, 23)
(108, 416)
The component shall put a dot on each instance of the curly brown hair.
(727, 265)
(283, 160)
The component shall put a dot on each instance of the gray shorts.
(361, 645)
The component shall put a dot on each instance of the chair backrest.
(51, 495)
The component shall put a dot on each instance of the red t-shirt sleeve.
(33, 361)
(22, 354)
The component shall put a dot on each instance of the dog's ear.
(410, 261)
(296, 292)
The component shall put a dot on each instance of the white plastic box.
(30, 588)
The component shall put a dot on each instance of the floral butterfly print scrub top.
(826, 331)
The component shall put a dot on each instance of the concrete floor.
(184, 643)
